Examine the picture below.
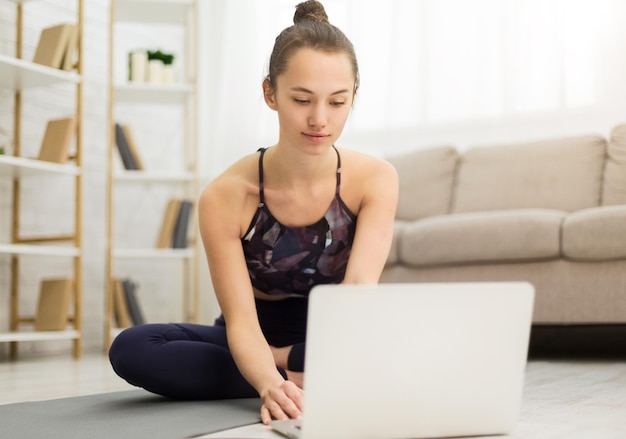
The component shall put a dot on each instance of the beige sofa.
(550, 212)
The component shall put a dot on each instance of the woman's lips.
(315, 137)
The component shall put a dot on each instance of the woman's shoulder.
(235, 184)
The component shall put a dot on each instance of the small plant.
(166, 58)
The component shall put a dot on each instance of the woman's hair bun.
(310, 10)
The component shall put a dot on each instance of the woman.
(276, 223)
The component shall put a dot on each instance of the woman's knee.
(129, 350)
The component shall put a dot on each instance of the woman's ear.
(268, 94)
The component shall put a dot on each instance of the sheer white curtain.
(424, 63)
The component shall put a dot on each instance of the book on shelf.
(53, 45)
(129, 160)
(69, 57)
(120, 307)
(132, 146)
(166, 233)
(179, 238)
(57, 139)
(132, 302)
(53, 305)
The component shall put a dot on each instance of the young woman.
(278, 222)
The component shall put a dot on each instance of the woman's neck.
(292, 168)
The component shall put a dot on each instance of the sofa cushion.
(595, 234)
(398, 229)
(561, 174)
(496, 236)
(426, 178)
(614, 187)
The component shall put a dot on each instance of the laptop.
(423, 360)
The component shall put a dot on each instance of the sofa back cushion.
(563, 174)
(614, 188)
(425, 177)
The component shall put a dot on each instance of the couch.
(550, 212)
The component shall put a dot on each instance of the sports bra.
(290, 261)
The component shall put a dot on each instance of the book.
(120, 307)
(166, 233)
(70, 51)
(52, 45)
(54, 304)
(179, 239)
(132, 146)
(134, 309)
(124, 149)
(57, 139)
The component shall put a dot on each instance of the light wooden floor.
(49, 377)
(562, 398)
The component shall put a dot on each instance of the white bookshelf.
(153, 94)
(39, 250)
(153, 11)
(16, 75)
(153, 177)
(128, 97)
(69, 334)
(153, 253)
(20, 167)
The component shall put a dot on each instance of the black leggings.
(190, 361)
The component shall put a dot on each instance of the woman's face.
(313, 98)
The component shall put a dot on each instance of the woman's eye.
(301, 101)
(337, 104)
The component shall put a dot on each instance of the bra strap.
(338, 171)
(261, 191)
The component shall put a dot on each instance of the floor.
(563, 398)
(39, 378)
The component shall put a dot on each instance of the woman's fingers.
(283, 402)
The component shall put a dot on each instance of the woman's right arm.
(220, 208)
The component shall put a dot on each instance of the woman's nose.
(318, 117)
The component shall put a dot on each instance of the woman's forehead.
(318, 70)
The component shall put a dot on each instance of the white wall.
(234, 121)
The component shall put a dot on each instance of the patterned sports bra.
(289, 261)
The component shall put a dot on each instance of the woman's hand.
(281, 401)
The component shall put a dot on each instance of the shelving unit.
(18, 75)
(180, 14)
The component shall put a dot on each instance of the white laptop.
(418, 360)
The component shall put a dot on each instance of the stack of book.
(127, 148)
(127, 310)
(175, 225)
(57, 46)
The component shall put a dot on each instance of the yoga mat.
(133, 414)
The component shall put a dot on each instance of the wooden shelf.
(17, 167)
(39, 335)
(160, 11)
(153, 93)
(153, 177)
(17, 74)
(39, 250)
(153, 253)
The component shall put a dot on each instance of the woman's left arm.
(374, 230)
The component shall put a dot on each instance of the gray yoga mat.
(134, 414)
